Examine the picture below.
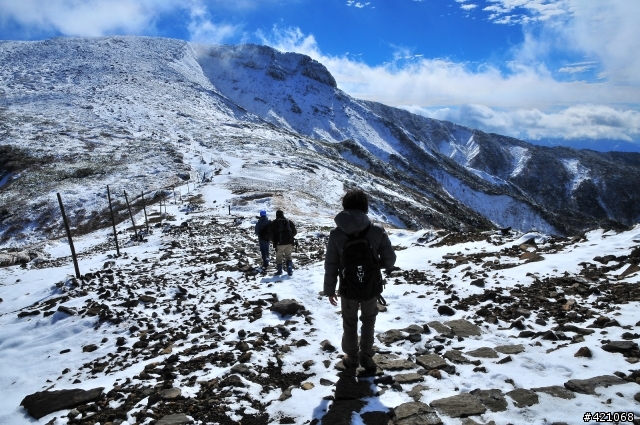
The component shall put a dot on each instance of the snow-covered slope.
(129, 112)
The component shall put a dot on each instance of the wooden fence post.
(130, 214)
(66, 225)
(144, 207)
(113, 221)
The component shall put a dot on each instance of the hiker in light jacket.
(262, 230)
(351, 221)
(282, 234)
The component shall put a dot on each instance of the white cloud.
(432, 82)
(108, 17)
(584, 121)
(203, 30)
(357, 4)
(87, 18)
(468, 6)
(577, 68)
(523, 11)
(515, 103)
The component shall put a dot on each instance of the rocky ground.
(197, 334)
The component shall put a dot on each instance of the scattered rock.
(456, 357)
(510, 349)
(483, 352)
(287, 307)
(392, 362)
(445, 310)
(42, 403)
(431, 361)
(390, 336)
(171, 393)
(492, 399)
(327, 346)
(408, 378)
(415, 413)
(459, 406)
(416, 392)
(588, 386)
(583, 352)
(619, 346)
(463, 328)
(175, 419)
(556, 391)
(523, 398)
(89, 348)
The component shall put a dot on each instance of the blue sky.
(547, 71)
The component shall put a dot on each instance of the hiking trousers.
(283, 251)
(264, 251)
(368, 313)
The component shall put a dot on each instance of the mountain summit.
(147, 114)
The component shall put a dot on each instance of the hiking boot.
(265, 265)
(279, 272)
(367, 362)
(350, 362)
(289, 267)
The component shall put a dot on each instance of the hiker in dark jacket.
(282, 233)
(262, 230)
(353, 220)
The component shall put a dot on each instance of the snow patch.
(578, 172)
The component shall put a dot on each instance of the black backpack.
(284, 235)
(360, 277)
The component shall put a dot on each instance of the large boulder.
(588, 386)
(42, 403)
(459, 406)
(287, 307)
(415, 414)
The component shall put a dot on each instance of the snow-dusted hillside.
(131, 112)
(508, 327)
(181, 328)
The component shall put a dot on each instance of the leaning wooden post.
(66, 225)
(229, 209)
(113, 220)
(130, 214)
(144, 207)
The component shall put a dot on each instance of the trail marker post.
(135, 230)
(66, 225)
(144, 207)
(113, 221)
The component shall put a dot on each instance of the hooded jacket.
(352, 222)
(262, 222)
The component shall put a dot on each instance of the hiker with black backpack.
(283, 232)
(356, 252)
(262, 230)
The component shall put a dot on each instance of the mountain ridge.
(128, 109)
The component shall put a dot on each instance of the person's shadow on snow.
(354, 397)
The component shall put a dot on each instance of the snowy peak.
(133, 111)
(275, 64)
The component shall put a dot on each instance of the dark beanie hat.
(279, 214)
